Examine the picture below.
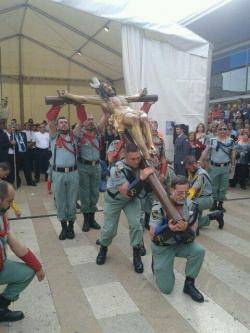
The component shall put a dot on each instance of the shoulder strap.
(88, 137)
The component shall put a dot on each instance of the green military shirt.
(118, 177)
(89, 149)
(221, 151)
(61, 157)
(201, 182)
(188, 213)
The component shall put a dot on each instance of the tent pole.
(21, 101)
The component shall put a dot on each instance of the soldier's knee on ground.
(165, 287)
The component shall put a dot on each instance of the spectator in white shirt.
(42, 154)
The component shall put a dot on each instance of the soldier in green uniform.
(125, 183)
(16, 276)
(200, 191)
(222, 153)
(89, 169)
(165, 249)
(65, 178)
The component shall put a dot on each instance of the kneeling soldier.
(15, 275)
(124, 185)
(170, 240)
(200, 191)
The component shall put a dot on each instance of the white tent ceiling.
(63, 31)
(46, 41)
(65, 27)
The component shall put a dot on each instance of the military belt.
(220, 164)
(65, 170)
(83, 161)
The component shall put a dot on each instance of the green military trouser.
(219, 177)
(17, 276)
(112, 211)
(65, 187)
(89, 179)
(204, 203)
(163, 257)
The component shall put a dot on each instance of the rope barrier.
(40, 216)
(99, 210)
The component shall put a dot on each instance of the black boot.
(6, 314)
(220, 206)
(101, 257)
(143, 251)
(93, 223)
(218, 216)
(138, 265)
(146, 220)
(70, 230)
(63, 234)
(197, 231)
(189, 288)
(86, 222)
(214, 206)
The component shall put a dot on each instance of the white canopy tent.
(47, 44)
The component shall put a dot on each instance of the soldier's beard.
(177, 202)
(64, 131)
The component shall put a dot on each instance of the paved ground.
(78, 296)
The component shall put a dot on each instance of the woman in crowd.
(195, 146)
(200, 133)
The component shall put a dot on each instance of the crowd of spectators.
(25, 149)
(236, 118)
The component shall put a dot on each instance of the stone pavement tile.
(91, 275)
(208, 317)
(25, 233)
(224, 252)
(81, 254)
(72, 306)
(235, 243)
(157, 311)
(80, 237)
(110, 300)
(40, 314)
(221, 293)
(228, 273)
(127, 323)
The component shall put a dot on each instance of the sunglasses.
(222, 129)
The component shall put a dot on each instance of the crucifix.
(131, 124)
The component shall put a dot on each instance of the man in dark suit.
(181, 150)
(22, 161)
(4, 142)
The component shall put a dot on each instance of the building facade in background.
(227, 28)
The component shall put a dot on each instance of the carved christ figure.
(120, 113)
